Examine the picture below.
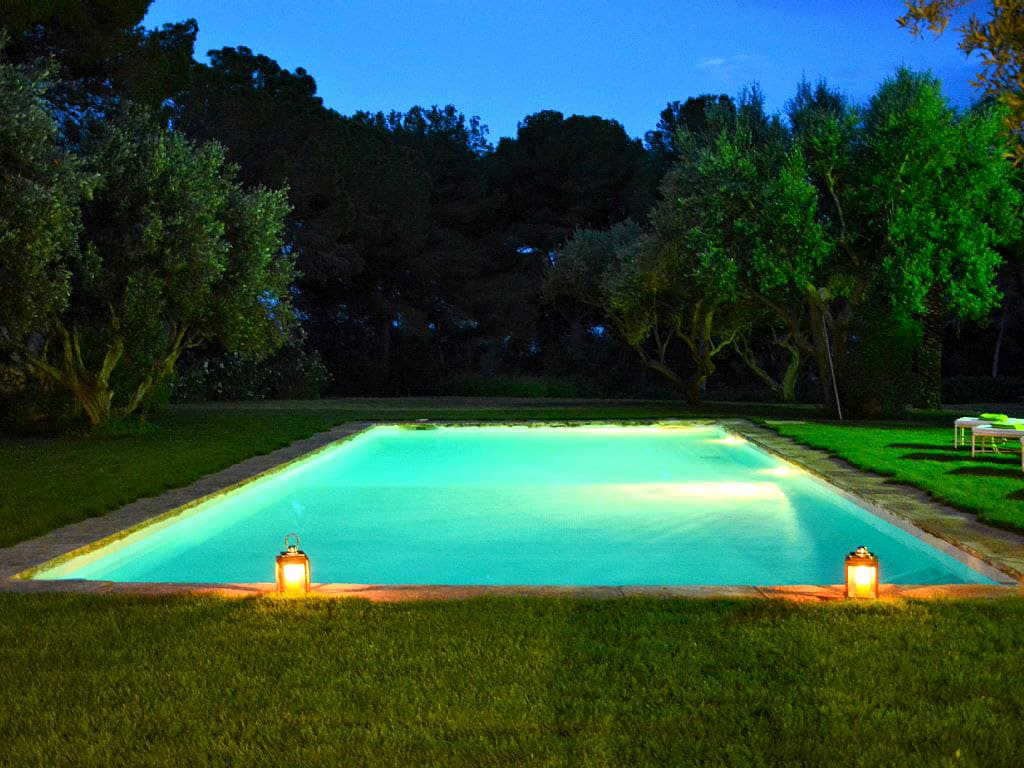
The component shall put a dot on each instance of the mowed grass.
(990, 485)
(48, 482)
(108, 680)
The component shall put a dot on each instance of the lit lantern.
(861, 574)
(292, 568)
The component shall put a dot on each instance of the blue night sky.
(621, 60)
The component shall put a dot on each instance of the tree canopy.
(999, 40)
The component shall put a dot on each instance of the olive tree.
(174, 253)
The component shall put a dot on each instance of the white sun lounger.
(985, 430)
(964, 423)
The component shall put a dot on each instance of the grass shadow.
(948, 458)
(921, 446)
(988, 471)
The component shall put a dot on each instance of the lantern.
(861, 574)
(292, 568)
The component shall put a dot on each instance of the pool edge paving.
(910, 508)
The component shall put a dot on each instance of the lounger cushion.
(994, 416)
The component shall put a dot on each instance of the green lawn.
(992, 486)
(49, 482)
(186, 681)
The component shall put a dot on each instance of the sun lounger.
(987, 431)
(964, 423)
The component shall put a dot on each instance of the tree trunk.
(91, 390)
(694, 388)
(157, 374)
(703, 349)
(999, 337)
(676, 382)
(789, 378)
(826, 370)
(695, 384)
(929, 355)
(785, 388)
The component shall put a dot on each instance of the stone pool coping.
(949, 529)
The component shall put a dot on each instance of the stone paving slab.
(384, 593)
(954, 531)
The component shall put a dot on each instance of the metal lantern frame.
(860, 563)
(290, 557)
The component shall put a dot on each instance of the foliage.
(914, 199)
(394, 227)
(881, 376)
(937, 200)
(175, 253)
(697, 116)
(422, 250)
(99, 54)
(738, 210)
(999, 40)
(41, 187)
(561, 174)
(939, 195)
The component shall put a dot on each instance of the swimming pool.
(539, 505)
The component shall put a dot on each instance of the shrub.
(880, 379)
(291, 373)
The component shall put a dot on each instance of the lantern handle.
(293, 547)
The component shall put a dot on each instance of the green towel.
(993, 417)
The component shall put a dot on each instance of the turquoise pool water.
(528, 505)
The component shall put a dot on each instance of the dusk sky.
(620, 60)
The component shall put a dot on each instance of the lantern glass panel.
(293, 573)
(294, 576)
(862, 580)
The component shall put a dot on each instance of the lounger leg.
(956, 436)
(973, 438)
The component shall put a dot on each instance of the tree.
(1000, 41)
(559, 175)
(738, 209)
(696, 116)
(174, 253)
(99, 55)
(914, 200)
(941, 200)
(562, 174)
(447, 302)
(360, 203)
(41, 187)
(652, 296)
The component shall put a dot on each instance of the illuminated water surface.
(518, 505)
